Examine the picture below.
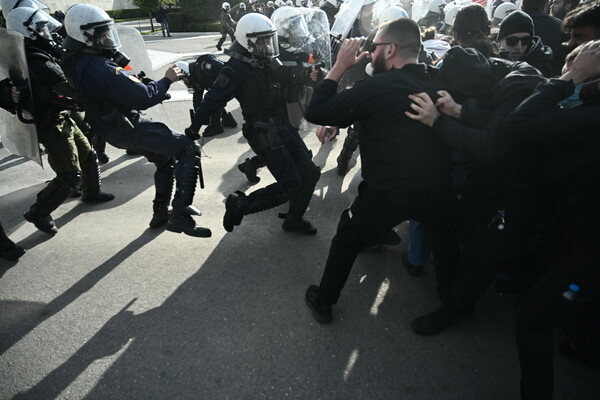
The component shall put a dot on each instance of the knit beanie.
(517, 21)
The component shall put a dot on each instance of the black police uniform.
(406, 173)
(203, 72)
(258, 86)
(112, 99)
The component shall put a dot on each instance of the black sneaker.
(412, 269)
(76, 192)
(434, 322)
(320, 311)
(234, 210)
(219, 47)
(44, 223)
(298, 225)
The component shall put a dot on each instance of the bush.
(127, 13)
(176, 21)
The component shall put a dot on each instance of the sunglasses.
(373, 46)
(525, 41)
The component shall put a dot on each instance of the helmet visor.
(266, 46)
(103, 36)
(43, 24)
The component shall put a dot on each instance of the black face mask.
(49, 46)
(120, 58)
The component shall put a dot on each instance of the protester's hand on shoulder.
(426, 111)
(446, 105)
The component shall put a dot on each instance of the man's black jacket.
(398, 154)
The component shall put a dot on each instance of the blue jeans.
(165, 25)
(419, 246)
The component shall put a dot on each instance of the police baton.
(200, 175)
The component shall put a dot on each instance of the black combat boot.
(90, 174)
(181, 220)
(294, 221)
(238, 204)
(350, 145)
(48, 200)
(250, 167)
(227, 120)
(160, 206)
(215, 127)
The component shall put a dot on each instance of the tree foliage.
(147, 5)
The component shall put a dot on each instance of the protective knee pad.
(309, 172)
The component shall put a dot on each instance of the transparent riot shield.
(344, 19)
(17, 132)
(318, 27)
(135, 48)
(419, 9)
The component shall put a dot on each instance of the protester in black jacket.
(499, 199)
(563, 115)
(406, 170)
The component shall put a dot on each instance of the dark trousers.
(545, 308)
(373, 214)
(154, 140)
(487, 248)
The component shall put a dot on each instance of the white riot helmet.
(290, 24)
(436, 6)
(279, 3)
(289, 3)
(392, 13)
(451, 15)
(31, 23)
(9, 5)
(270, 3)
(242, 6)
(92, 26)
(225, 6)
(251, 1)
(256, 33)
(502, 12)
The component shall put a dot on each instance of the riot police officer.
(227, 25)
(254, 76)
(69, 152)
(112, 99)
(199, 76)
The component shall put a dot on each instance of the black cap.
(517, 21)
(465, 73)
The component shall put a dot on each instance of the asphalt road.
(109, 309)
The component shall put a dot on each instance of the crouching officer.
(69, 152)
(112, 99)
(199, 76)
(255, 77)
